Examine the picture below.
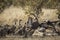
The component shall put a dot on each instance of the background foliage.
(35, 4)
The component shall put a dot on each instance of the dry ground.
(32, 38)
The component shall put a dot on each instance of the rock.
(57, 28)
(42, 29)
(37, 33)
(49, 30)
